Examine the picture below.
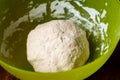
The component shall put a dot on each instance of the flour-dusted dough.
(58, 45)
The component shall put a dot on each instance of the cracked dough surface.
(58, 45)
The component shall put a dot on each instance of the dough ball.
(58, 45)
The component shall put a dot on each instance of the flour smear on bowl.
(34, 13)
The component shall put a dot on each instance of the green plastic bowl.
(99, 18)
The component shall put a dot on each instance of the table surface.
(109, 71)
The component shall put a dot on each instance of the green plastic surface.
(16, 21)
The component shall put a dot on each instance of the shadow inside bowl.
(17, 19)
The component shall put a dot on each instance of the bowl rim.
(104, 58)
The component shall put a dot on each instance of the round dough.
(58, 45)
